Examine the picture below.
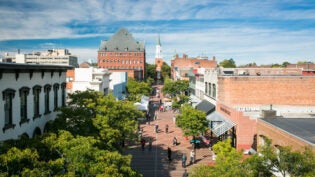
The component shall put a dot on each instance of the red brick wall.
(186, 62)
(282, 90)
(279, 137)
(245, 127)
(121, 61)
(70, 74)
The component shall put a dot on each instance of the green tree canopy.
(150, 71)
(192, 121)
(175, 87)
(228, 63)
(136, 89)
(116, 121)
(165, 71)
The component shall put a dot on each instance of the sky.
(260, 31)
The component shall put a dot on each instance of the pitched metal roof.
(302, 128)
(122, 41)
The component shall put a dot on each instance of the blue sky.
(262, 31)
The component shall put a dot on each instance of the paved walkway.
(154, 162)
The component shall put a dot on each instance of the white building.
(118, 83)
(91, 78)
(51, 57)
(30, 96)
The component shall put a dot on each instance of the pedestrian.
(174, 141)
(192, 156)
(185, 174)
(184, 158)
(140, 134)
(156, 128)
(166, 128)
(150, 144)
(155, 116)
(142, 144)
(169, 154)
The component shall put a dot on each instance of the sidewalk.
(155, 163)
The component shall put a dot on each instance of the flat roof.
(303, 128)
(23, 66)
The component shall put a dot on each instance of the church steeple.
(158, 49)
(159, 41)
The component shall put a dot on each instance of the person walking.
(174, 141)
(156, 128)
(192, 156)
(150, 144)
(169, 154)
(185, 174)
(142, 144)
(166, 128)
(184, 158)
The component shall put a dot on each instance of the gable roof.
(122, 41)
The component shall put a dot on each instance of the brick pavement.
(154, 162)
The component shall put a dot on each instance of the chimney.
(268, 113)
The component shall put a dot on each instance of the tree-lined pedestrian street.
(154, 162)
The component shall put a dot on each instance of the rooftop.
(302, 128)
(122, 41)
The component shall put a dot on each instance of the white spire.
(158, 49)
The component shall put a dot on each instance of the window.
(24, 91)
(36, 92)
(214, 91)
(56, 88)
(209, 91)
(47, 89)
(8, 95)
(206, 87)
(63, 94)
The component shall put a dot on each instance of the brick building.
(122, 53)
(307, 68)
(181, 67)
(242, 98)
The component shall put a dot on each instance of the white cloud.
(226, 29)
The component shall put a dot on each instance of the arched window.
(36, 92)
(8, 95)
(63, 94)
(47, 89)
(56, 88)
(214, 90)
(24, 91)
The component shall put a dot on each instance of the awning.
(194, 100)
(141, 107)
(205, 106)
(219, 124)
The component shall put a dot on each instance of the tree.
(285, 64)
(228, 63)
(116, 121)
(165, 71)
(136, 89)
(78, 116)
(150, 71)
(284, 160)
(82, 157)
(175, 87)
(192, 121)
(228, 162)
